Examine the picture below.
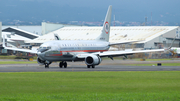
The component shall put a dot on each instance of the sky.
(89, 10)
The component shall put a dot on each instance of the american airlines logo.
(106, 25)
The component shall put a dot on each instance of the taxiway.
(106, 65)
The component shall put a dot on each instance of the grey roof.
(21, 32)
(117, 34)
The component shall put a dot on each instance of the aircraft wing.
(117, 53)
(17, 49)
(121, 53)
(21, 50)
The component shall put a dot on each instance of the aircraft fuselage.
(67, 50)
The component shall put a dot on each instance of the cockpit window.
(43, 49)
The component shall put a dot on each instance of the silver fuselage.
(60, 50)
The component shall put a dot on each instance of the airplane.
(90, 51)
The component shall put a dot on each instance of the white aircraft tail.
(56, 37)
(106, 26)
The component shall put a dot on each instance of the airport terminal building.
(147, 37)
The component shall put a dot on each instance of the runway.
(80, 66)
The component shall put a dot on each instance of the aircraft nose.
(38, 52)
(40, 55)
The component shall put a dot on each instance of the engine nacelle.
(41, 62)
(93, 60)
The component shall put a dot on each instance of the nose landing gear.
(46, 65)
(63, 64)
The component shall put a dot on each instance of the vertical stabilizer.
(56, 37)
(106, 26)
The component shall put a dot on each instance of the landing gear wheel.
(60, 64)
(63, 64)
(46, 65)
(88, 66)
(93, 66)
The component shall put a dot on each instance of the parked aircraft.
(89, 51)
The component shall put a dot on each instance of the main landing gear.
(63, 64)
(89, 66)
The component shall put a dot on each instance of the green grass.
(90, 86)
(17, 62)
(7, 57)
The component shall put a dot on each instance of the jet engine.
(93, 60)
(41, 62)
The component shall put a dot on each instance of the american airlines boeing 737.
(89, 51)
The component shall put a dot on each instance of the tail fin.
(106, 26)
(56, 37)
